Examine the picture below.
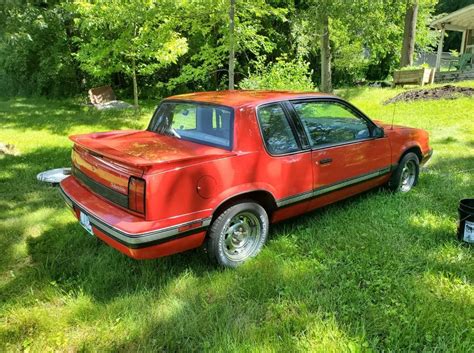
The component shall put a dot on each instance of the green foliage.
(282, 74)
(366, 35)
(133, 38)
(415, 67)
(205, 24)
(36, 51)
(124, 37)
(351, 55)
(63, 48)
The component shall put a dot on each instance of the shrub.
(415, 67)
(292, 75)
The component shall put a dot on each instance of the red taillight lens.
(136, 195)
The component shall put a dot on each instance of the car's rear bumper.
(132, 235)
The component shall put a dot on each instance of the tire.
(238, 234)
(405, 177)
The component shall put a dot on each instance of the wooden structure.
(462, 21)
(449, 76)
(416, 77)
(101, 94)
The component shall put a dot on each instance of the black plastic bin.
(466, 220)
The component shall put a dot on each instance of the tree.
(231, 44)
(133, 38)
(165, 47)
(350, 35)
(207, 64)
(36, 51)
(408, 46)
(319, 17)
(326, 56)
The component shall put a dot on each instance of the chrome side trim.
(294, 199)
(351, 181)
(135, 240)
(333, 187)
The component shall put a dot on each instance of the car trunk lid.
(105, 162)
(145, 149)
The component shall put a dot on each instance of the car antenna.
(393, 113)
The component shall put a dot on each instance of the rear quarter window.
(276, 130)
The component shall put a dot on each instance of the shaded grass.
(376, 272)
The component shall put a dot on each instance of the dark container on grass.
(466, 220)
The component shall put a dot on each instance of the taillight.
(136, 195)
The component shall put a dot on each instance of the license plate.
(86, 223)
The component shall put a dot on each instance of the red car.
(219, 167)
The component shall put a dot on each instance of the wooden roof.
(459, 20)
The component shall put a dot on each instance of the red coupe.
(217, 168)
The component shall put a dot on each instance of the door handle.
(325, 161)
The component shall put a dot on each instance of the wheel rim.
(241, 236)
(408, 176)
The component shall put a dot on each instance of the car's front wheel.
(238, 234)
(405, 177)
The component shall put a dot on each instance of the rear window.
(202, 123)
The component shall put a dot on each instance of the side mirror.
(378, 132)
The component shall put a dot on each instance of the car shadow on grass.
(27, 206)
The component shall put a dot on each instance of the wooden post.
(440, 48)
(463, 42)
(432, 76)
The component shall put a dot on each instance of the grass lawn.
(378, 272)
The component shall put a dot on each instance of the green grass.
(378, 272)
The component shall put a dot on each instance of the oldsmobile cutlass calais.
(217, 168)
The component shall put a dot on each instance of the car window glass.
(276, 130)
(330, 123)
(196, 122)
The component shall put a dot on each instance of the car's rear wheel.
(405, 177)
(238, 234)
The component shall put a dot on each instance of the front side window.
(330, 123)
(276, 130)
(197, 122)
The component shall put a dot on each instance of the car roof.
(239, 98)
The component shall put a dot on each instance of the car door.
(345, 148)
(288, 165)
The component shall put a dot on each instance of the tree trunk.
(408, 47)
(135, 86)
(326, 58)
(231, 44)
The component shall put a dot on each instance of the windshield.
(197, 122)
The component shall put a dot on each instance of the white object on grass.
(469, 232)
(54, 176)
